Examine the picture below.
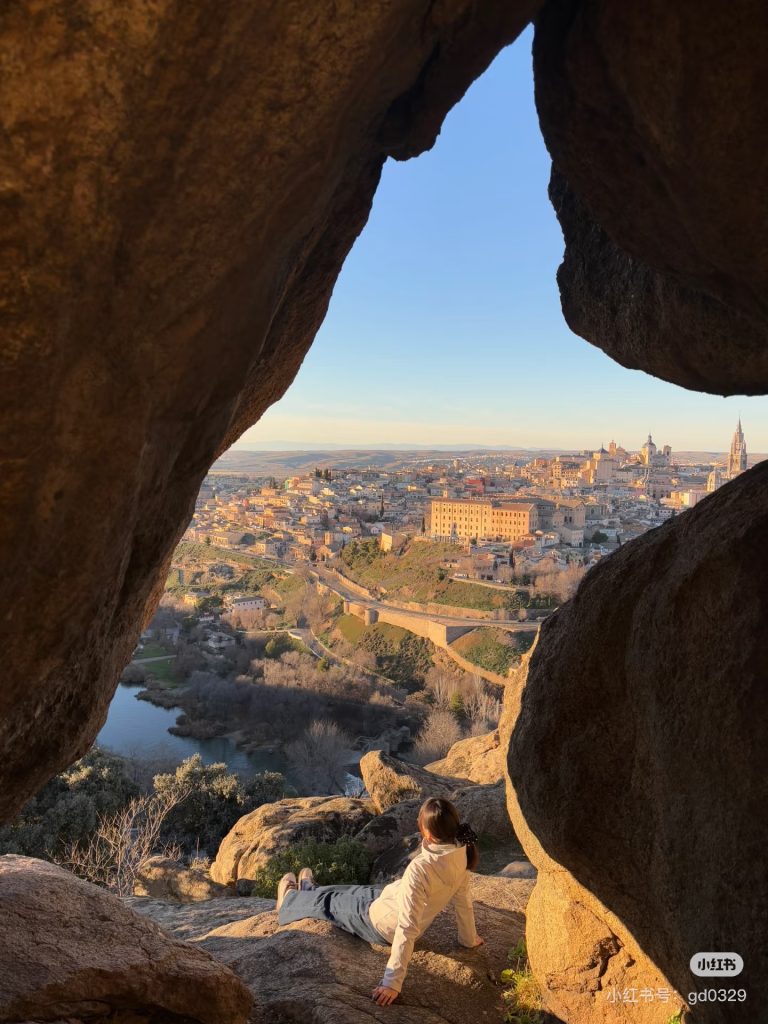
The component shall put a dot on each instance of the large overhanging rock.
(181, 184)
(639, 766)
(652, 113)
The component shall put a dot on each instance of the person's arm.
(412, 900)
(465, 915)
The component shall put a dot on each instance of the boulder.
(69, 950)
(390, 781)
(386, 778)
(166, 879)
(518, 869)
(642, 722)
(258, 836)
(313, 973)
(392, 862)
(390, 827)
(658, 187)
(477, 758)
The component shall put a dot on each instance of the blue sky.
(445, 323)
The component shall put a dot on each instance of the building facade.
(485, 519)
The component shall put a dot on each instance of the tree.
(320, 756)
(598, 537)
(210, 799)
(440, 732)
(456, 706)
(115, 855)
(68, 808)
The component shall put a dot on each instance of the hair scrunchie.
(465, 836)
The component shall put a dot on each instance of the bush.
(69, 807)
(345, 862)
(437, 737)
(210, 800)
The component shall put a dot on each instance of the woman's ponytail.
(465, 836)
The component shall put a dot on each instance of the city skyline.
(445, 325)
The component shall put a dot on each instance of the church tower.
(737, 458)
(648, 451)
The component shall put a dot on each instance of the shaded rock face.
(313, 973)
(638, 759)
(391, 782)
(651, 113)
(71, 950)
(258, 836)
(180, 188)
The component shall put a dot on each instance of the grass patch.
(345, 862)
(351, 628)
(422, 573)
(153, 649)
(193, 551)
(400, 654)
(162, 670)
(522, 993)
(493, 649)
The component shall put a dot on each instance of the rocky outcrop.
(312, 972)
(258, 836)
(390, 781)
(665, 204)
(166, 879)
(180, 189)
(477, 758)
(638, 758)
(69, 950)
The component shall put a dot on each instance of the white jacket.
(437, 876)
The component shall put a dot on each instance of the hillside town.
(511, 518)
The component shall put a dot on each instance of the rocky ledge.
(310, 972)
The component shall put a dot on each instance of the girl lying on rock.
(402, 911)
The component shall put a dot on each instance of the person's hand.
(383, 996)
(479, 941)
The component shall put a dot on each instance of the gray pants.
(345, 906)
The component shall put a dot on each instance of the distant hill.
(290, 463)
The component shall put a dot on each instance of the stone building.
(462, 518)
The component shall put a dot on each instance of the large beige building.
(486, 519)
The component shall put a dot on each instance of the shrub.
(319, 757)
(210, 800)
(437, 737)
(68, 808)
(345, 862)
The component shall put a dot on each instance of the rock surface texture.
(652, 113)
(166, 879)
(258, 836)
(312, 973)
(477, 758)
(181, 184)
(391, 782)
(69, 950)
(659, 664)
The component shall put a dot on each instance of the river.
(138, 729)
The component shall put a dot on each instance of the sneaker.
(306, 879)
(286, 884)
